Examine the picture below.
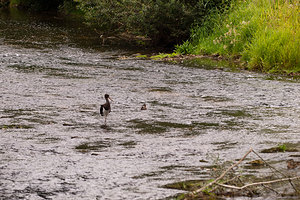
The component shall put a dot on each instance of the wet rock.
(291, 164)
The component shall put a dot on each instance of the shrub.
(166, 22)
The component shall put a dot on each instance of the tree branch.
(258, 183)
(223, 174)
(273, 168)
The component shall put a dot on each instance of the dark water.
(53, 76)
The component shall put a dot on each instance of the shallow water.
(53, 77)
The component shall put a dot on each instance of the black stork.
(105, 108)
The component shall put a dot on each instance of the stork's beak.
(110, 99)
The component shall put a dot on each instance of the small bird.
(106, 107)
(144, 107)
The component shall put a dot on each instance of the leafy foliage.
(37, 5)
(166, 22)
(265, 34)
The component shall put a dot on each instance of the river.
(53, 144)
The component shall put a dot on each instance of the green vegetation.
(36, 5)
(62, 6)
(156, 127)
(163, 56)
(289, 147)
(165, 22)
(92, 146)
(147, 127)
(282, 147)
(264, 34)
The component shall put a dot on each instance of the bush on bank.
(263, 33)
(165, 22)
(36, 5)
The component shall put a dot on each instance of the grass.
(263, 34)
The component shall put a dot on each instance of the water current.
(53, 142)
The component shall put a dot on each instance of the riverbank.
(257, 35)
(263, 35)
(216, 61)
